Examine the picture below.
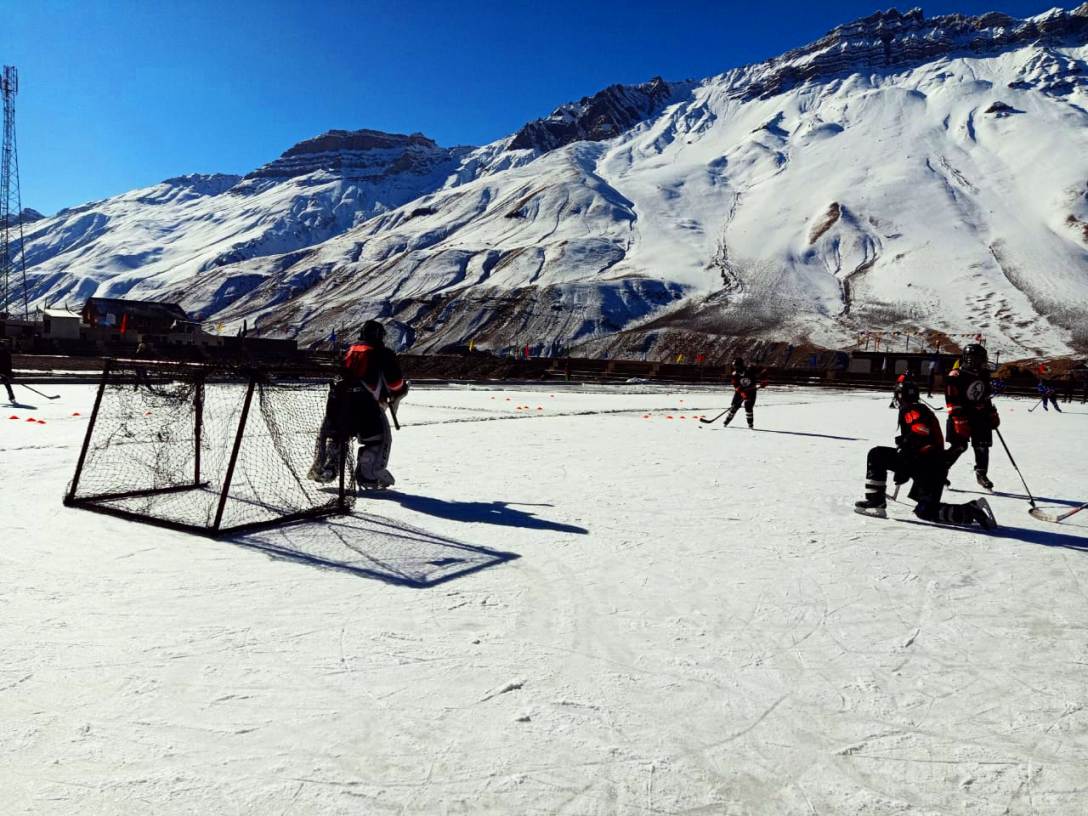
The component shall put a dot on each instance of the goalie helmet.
(974, 357)
(906, 391)
(372, 332)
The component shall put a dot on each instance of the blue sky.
(124, 94)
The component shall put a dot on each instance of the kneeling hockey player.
(745, 384)
(972, 417)
(919, 456)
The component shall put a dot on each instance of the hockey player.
(1047, 394)
(745, 385)
(918, 456)
(972, 417)
(374, 382)
(6, 372)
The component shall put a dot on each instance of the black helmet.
(974, 357)
(739, 363)
(372, 332)
(906, 391)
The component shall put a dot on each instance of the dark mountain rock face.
(595, 118)
(893, 39)
(368, 153)
(28, 215)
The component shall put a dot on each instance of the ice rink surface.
(576, 606)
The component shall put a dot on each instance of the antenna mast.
(12, 260)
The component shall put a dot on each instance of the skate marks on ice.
(374, 547)
(501, 513)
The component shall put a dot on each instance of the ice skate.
(983, 514)
(984, 480)
(381, 480)
(876, 508)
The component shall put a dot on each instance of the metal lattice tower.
(12, 260)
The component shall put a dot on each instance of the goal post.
(208, 448)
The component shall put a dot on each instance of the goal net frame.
(251, 384)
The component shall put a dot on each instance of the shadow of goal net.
(209, 449)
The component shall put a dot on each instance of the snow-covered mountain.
(901, 173)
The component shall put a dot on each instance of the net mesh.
(163, 437)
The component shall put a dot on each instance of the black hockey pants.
(981, 439)
(749, 407)
(926, 490)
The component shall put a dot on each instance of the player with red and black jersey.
(972, 416)
(371, 381)
(919, 455)
(745, 381)
(374, 381)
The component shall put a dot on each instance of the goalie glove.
(394, 399)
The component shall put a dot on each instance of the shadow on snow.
(804, 433)
(1021, 496)
(374, 547)
(1043, 538)
(504, 514)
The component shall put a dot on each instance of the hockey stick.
(1031, 498)
(727, 410)
(1056, 518)
(36, 391)
(393, 413)
(1036, 405)
(712, 421)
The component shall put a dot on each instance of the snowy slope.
(615, 628)
(899, 174)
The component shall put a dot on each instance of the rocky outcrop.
(604, 115)
(27, 216)
(359, 153)
(893, 39)
(188, 188)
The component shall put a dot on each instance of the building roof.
(55, 311)
(148, 309)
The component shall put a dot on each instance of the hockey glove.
(395, 399)
(995, 418)
(961, 427)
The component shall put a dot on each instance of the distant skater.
(7, 375)
(1048, 394)
(745, 384)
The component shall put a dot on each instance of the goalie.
(370, 382)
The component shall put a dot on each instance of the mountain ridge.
(725, 203)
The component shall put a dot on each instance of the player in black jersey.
(972, 417)
(745, 381)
